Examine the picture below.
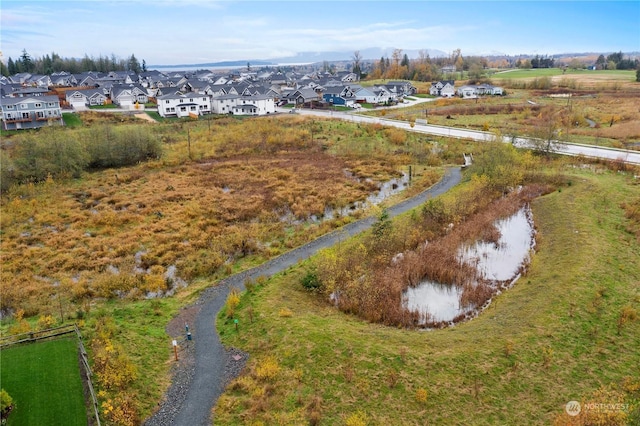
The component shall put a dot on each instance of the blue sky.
(197, 31)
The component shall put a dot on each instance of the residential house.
(27, 92)
(254, 105)
(467, 92)
(20, 78)
(63, 80)
(366, 95)
(30, 112)
(401, 88)
(473, 91)
(85, 97)
(128, 95)
(243, 105)
(38, 80)
(445, 88)
(384, 95)
(302, 96)
(342, 96)
(184, 105)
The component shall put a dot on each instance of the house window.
(183, 109)
(23, 106)
(9, 106)
(191, 100)
(193, 108)
(172, 109)
(25, 115)
(181, 100)
(40, 114)
(167, 101)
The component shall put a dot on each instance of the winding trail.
(192, 395)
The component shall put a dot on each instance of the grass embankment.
(556, 336)
(43, 378)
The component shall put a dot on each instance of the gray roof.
(28, 99)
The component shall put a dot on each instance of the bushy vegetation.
(63, 153)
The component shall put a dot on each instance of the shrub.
(267, 369)
(356, 419)
(310, 281)
(233, 300)
(421, 395)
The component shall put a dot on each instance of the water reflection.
(499, 263)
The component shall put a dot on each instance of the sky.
(171, 32)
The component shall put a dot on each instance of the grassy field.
(624, 75)
(44, 381)
(71, 120)
(554, 337)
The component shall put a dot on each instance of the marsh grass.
(523, 358)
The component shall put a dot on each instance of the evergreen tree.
(26, 62)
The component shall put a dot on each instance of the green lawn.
(105, 106)
(71, 119)
(44, 381)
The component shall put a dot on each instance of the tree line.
(423, 68)
(50, 63)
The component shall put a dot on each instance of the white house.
(444, 88)
(186, 105)
(128, 95)
(468, 92)
(243, 105)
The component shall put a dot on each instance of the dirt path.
(200, 379)
(144, 116)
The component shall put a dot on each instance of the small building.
(30, 112)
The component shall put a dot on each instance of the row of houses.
(184, 94)
(446, 89)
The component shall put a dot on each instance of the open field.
(585, 75)
(553, 338)
(225, 195)
(43, 378)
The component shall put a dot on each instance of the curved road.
(565, 148)
(208, 382)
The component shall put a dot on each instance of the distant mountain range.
(369, 54)
(373, 53)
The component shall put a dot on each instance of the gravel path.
(205, 365)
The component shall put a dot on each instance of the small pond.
(500, 263)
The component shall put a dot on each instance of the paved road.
(210, 356)
(632, 157)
